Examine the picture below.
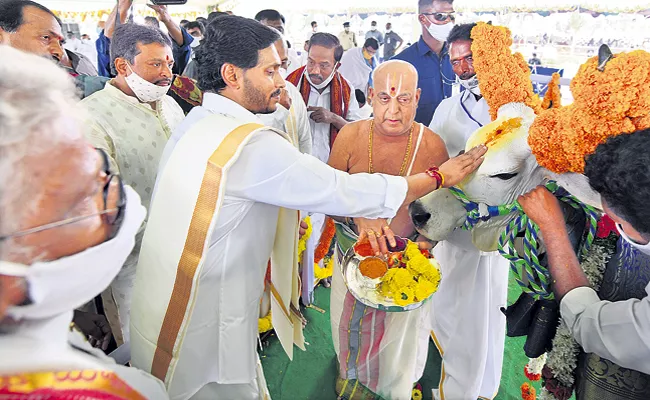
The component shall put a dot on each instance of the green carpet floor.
(311, 374)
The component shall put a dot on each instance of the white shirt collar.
(218, 104)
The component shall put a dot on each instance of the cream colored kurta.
(134, 136)
(217, 351)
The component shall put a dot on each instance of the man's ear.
(121, 66)
(231, 75)
(418, 93)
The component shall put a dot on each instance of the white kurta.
(219, 346)
(299, 119)
(321, 132)
(48, 345)
(467, 324)
(355, 69)
(457, 118)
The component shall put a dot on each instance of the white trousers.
(467, 325)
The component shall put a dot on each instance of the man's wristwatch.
(435, 173)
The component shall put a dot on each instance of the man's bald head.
(400, 72)
(395, 97)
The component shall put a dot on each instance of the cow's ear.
(578, 185)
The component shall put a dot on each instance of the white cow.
(509, 170)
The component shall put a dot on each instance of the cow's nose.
(419, 215)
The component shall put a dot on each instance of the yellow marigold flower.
(424, 289)
(412, 250)
(404, 296)
(416, 394)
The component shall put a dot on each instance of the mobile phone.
(168, 2)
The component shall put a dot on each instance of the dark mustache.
(316, 76)
(163, 82)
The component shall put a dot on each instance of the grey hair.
(35, 97)
(126, 38)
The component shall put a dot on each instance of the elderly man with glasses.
(66, 226)
(430, 56)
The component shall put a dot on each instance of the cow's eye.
(504, 177)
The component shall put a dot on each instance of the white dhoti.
(468, 326)
(384, 351)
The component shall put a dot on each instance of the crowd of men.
(172, 173)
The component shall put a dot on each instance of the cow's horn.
(604, 55)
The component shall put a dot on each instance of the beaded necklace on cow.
(529, 273)
(402, 170)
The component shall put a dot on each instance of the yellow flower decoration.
(326, 271)
(424, 288)
(404, 296)
(302, 243)
(416, 394)
(264, 324)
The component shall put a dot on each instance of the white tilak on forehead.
(394, 92)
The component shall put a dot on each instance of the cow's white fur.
(510, 154)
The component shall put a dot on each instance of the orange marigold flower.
(606, 103)
(528, 392)
(553, 97)
(504, 77)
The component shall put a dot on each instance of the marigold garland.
(264, 324)
(553, 97)
(606, 104)
(504, 77)
(528, 392)
(302, 243)
(325, 241)
(325, 272)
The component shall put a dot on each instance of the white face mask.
(144, 90)
(440, 32)
(471, 84)
(60, 286)
(389, 30)
(195, 43)
(321, 85)
(643, 248)
(373, 28)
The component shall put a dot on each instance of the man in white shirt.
(67, 226)
(472, 358)
(131, 119)
(331, 101)
(616, 325)
(224, 206)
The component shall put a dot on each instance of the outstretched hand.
(377, 232)
(456, 169)
(162, 12)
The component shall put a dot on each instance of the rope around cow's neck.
(529, 273)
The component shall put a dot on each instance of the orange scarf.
(340, 93)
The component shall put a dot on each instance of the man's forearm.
(123, 8)
(339, 122)
(564, 266)
(419, 185)
(174, 31)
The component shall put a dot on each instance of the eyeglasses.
(442, 17)
(113, 216)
